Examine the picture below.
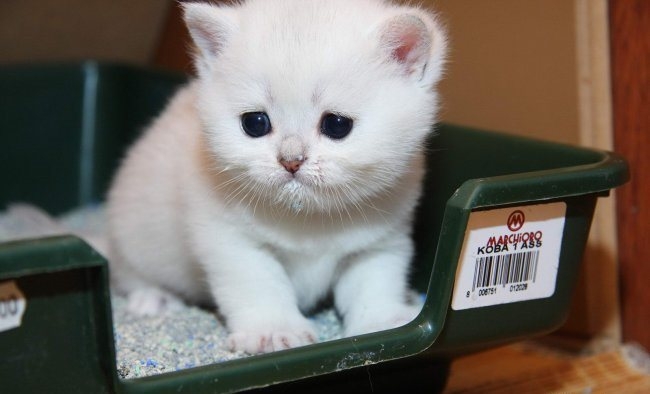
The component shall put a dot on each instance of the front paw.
(259, 338)
(265, 342)
(368, 321)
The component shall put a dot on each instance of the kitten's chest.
(300, 244)
(304, 252)
(312, 271)
(312, 261)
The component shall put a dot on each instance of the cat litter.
(146, 345)
(182, 339)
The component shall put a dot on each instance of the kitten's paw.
(255, 343)
(152, 301)
(269, 336)
(381, 320)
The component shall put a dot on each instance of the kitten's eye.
(335, 126)
(256, 124)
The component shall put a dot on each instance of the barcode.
(505, 269)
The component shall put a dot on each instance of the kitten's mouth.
(292, 186)
(292, 195)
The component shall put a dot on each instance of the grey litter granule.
(178, 339)
(183, 338)
(175, 340)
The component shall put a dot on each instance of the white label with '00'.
(509, 255)
(12, 305)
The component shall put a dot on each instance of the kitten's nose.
(292, 165)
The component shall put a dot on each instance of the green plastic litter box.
(500, 234)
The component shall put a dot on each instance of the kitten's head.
(316, 104)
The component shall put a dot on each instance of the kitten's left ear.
(417, 43)
(211, 27)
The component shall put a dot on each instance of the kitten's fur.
(203, 211)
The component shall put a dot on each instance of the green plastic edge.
(534, 187)
(54, 254)
(64, 252)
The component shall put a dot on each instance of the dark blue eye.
(256, 124)
(335, 126)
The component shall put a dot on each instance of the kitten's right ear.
(415, 41)
(210, 27)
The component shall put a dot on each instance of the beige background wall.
(55, 30)
(512, 66)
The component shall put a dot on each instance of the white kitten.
(289, 169)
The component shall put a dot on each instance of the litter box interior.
(88, 114)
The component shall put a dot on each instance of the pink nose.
(292, 165)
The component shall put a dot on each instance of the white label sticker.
(12, 306)
(509, 255)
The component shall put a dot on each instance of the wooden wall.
(630, 38)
